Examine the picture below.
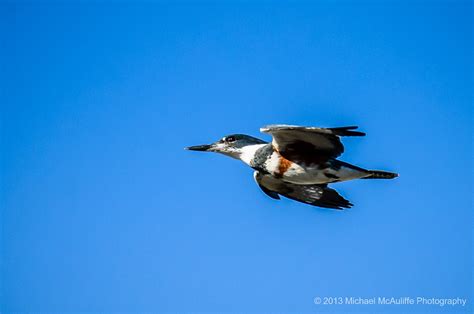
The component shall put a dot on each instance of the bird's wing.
(314, 194)
(308, 144)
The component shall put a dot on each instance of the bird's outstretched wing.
(314, 194)
(308, 144)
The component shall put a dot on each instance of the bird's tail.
(377, 174)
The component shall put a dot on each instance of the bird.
(299, 163)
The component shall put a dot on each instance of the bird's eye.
(229, 139)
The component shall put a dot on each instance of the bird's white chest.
(281, 167)
(292, 172)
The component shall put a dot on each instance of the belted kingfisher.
(299, 163)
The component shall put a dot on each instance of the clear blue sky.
(103, 210)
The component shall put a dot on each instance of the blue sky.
(103, 210)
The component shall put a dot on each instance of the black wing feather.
(309, 144)
(314, 194)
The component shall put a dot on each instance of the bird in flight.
(299, 163)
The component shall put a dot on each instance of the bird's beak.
(201, 148)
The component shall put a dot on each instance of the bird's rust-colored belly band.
(283, 166)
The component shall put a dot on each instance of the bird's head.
(230, 145)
